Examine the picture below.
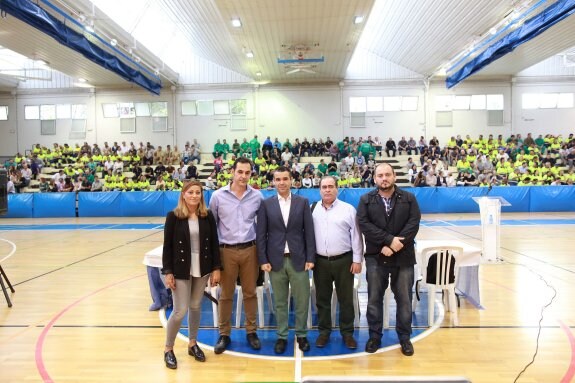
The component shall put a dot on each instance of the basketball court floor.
(80, 311)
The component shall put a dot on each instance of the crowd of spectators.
(484, 161)
(489, 161)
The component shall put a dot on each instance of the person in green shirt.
(218, 149)
(225, 149)
(245, 149)
(322, 167)
(236, 149)
(255, 146)
(540, 142)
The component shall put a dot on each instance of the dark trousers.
(325, 274)
(378, 278)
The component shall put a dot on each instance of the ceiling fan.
(295, 68)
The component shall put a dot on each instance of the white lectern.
(490, 211)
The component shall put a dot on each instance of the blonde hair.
(181, 211)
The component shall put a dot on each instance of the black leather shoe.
(280, 346)
(372, 345)
(170, 360)
(303, 343)
(322, 340)
(222, 343)
(254, 341)
(197, 353)
(406, 347)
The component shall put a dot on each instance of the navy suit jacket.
(272, 233)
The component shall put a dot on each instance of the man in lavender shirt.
(235, 208)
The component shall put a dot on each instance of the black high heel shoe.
(170, 359)
(197, 353)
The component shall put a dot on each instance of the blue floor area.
(159, 226)
(209, 335)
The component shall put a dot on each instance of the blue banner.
(20, 206)
(99, 204)
(142, 204)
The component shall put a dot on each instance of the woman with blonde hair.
(190, 258)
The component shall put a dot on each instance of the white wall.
(542, 121)
(472, 122)
(8, 129)
(286, 112)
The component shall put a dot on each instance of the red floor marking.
(40, 343)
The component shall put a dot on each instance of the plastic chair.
(356, 309)
(265, 287)
(444, 278)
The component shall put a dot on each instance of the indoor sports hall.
(108, 109)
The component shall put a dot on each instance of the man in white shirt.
(339, 248)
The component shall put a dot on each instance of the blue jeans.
(378, 277)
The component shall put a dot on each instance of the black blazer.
(379, 229)
(177, 254)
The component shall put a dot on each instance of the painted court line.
(40, 365)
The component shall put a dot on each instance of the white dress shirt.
(285, 205)
(337, 231)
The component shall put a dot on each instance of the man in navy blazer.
(286, 249)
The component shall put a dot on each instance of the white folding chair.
(214, 292)
(445, 279)
(356, 309)
(260, 290)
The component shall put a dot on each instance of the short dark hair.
(283, 169)
(242, 160)
(384, 163)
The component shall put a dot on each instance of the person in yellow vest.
(254, 181)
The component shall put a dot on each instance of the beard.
(385, 188)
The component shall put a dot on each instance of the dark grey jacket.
(379, 229)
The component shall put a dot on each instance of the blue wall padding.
(20, 206)
(156, 204)
(518, 197)
(552, 198)
(171, 200)
(47, 205)
(99, 204)
(141, 203)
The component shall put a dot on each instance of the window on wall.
(127, 110)
(547, 100)
(357, 105)
(79, 112)
(47, 112)
(3, 113)
(461, 102)
(142, 109)
(565, 100)
(392, 104)
(447, 103)
(409, 103)
(32, 112)
(205, 107)
(238, 107)
(110, 110)
(444, 103)
(375, 104)
(494, 102)
(189, 108)
(63, 112)
(477, 102)
(221, 107)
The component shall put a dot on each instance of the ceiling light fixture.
(250, 54)
(113, 42)
(493, 31)
(259, 74)
(236, 23)
(82, 80)
(358, 19)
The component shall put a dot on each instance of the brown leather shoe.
(322, 340)
(349, 342)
